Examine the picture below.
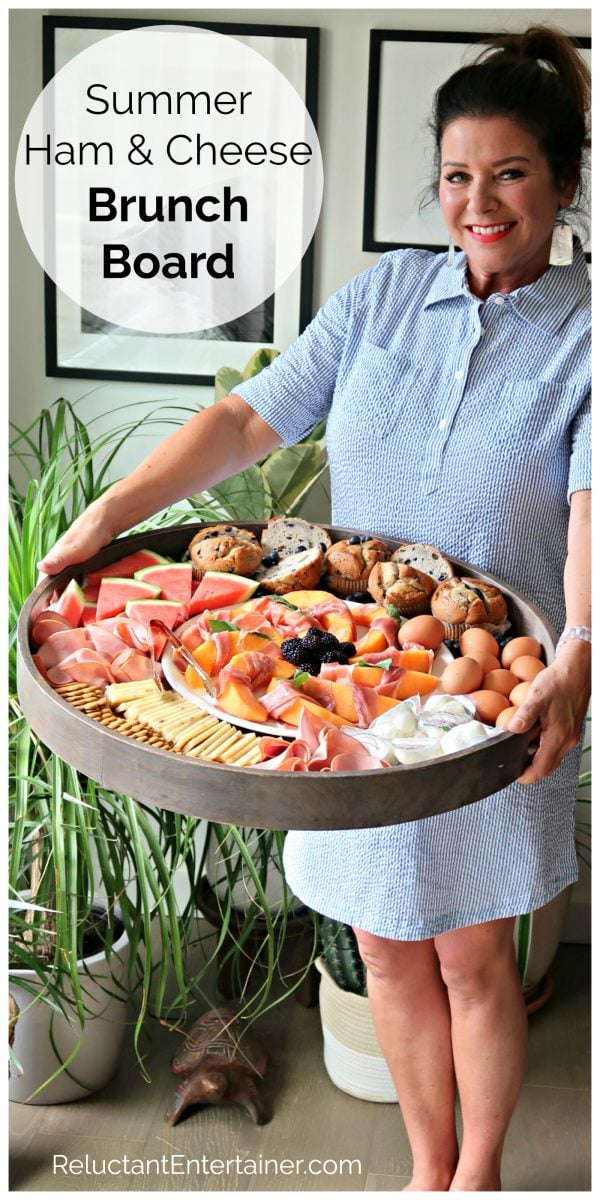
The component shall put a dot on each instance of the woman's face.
(498, 200)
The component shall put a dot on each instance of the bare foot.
(476, 1183)
(428, 1183)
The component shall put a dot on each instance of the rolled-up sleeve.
(296, 390)
(580, 465)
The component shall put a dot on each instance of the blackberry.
(292, 650)
(312, 644)
(318, 632)
(311, 667)
(329, 641)
(348, 649)
(332, 656)
(354, 541)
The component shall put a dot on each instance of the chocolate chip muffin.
(349, 563)
(408, 589)
(225, 548)
(462, 603)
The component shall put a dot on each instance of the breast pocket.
(531, 414)
(377, 389)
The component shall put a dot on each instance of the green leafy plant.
(71, 840)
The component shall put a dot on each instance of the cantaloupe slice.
(415, 683)
(373, 641)
(345, 706)
(307, 599)
(416, 660)
(291, 715)
(238, 700)
(282, 669)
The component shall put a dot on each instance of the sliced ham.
(62, 644)
(102, 639)
(47, 623)
(319, 746)
(131, 666)
(83, 666)
(377, 656)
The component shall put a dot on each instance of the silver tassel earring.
(450, 259)
(561, 248)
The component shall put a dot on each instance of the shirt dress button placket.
(437, 442)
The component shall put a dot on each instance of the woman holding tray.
(457, 394)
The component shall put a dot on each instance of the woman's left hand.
(557, 703)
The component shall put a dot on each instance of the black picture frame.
(60, 312)
(397, 159)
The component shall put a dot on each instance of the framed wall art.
(405, 69)
(80, 344)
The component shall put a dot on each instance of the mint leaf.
(395, 613)
(385, 663)
(298, 678)
(286, 603)
(220, 626)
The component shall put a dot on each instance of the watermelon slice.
(91, 592)
(70, 604)
(115, 592)
(145, 610)
(125, 568)
(219, 589)
(89, 615)
(174, 581)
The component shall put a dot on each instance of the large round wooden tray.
(248, 795)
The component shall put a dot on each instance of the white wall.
(342, 121)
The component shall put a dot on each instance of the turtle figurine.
(219, 1062)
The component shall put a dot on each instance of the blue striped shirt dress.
(464, 423)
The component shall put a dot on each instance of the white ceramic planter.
(44, 1038)
(545, 930)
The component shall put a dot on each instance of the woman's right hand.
(86, 536)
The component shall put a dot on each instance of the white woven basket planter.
(352, 1056)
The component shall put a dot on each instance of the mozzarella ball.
(463, 736)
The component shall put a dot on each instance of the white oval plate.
(176, 678)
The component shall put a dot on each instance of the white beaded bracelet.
(581, 633)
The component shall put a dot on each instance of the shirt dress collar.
(547, 303)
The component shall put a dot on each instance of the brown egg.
(425, 631)
(504, 717)
(488, 705)
(461, 676)
(519, 692)
(526, 667)
(500, 681)
(478, 639)
(489, 662)
(518, 646)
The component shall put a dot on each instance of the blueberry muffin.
(292, 573)
(225, 548)
(424, 558)
(408, 589)
(349, 563)
(292, 535)
(462, 603)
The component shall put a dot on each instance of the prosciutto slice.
(83, 666)
(319, 746)
(254, 669)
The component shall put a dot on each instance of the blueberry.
(360, 597)
(299, 549)
(354, 541)
(323, 547)
(453, 647)
(366, 537)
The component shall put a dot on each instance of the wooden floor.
(547, 1149)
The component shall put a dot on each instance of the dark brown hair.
(537, 79)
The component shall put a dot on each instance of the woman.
(457, 401)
